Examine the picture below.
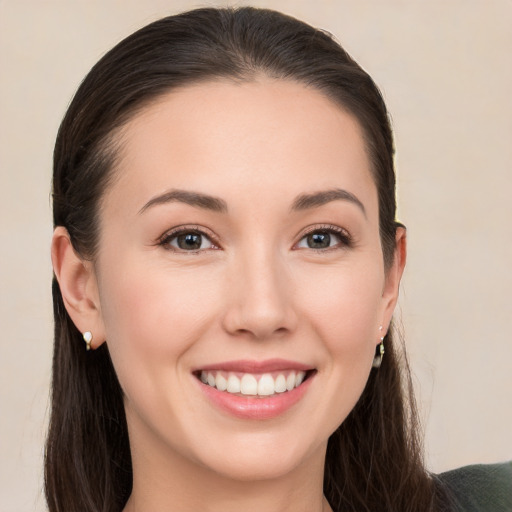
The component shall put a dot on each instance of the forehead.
(224, 136)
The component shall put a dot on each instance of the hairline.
(110, 146)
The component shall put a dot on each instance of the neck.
(169, 482)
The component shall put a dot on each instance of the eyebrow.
(302, 202)
(192, 198)
(316, 199)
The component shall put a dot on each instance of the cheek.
(152, 316)
(344, 307)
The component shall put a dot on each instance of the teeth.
(290, 381)
(249, 385)
(233, 384)
(220, 382)
(266, 385)
(280, 384)
(253, 385)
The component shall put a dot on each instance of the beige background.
(444, 68)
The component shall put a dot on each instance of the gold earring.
(377, 360)
(87, 335)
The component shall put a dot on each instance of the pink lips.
(255, 407)
(245, 366)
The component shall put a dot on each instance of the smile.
(253, 384)
(252, 390)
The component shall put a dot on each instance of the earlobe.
(394, 276)
(78, 286)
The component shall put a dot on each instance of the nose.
(260, 297)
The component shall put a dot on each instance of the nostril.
(259, 301)
(259, 322)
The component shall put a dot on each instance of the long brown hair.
(374, 458)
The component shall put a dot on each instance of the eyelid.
(164, 239)
(345, 236)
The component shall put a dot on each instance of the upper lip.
(248, 366)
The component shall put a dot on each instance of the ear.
(393, 278)
(78, 286)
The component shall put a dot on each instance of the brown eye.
(188, 241)
(327, 238)
(319, 240)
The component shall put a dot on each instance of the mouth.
(255, 390)
(254, 384)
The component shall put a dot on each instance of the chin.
(262, 459)
(256, 469)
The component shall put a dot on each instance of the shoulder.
(480, 488)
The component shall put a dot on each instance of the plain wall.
(444, 69)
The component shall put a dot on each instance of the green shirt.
(481, 488)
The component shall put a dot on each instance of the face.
(240, 276)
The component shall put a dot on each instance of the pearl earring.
(377, 360)
(87, 335)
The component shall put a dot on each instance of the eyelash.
(167, 238)
(345, 239)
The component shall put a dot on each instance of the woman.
(227, 263)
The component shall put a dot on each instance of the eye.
(325, 238)
(187, 240)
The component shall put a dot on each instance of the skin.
(255, 290)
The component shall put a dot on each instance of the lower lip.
(253, 407)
